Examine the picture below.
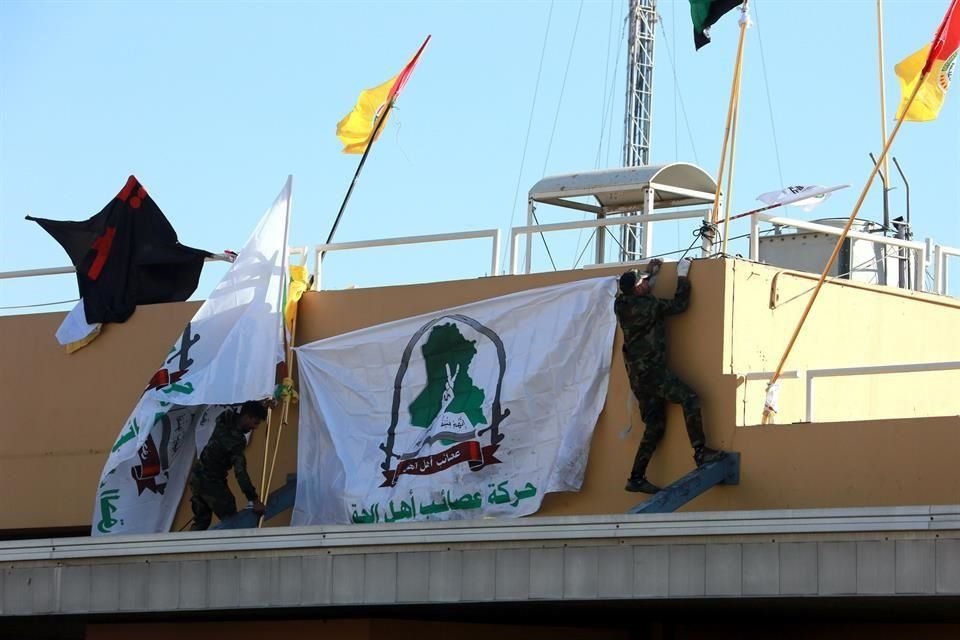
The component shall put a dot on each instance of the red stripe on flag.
(102, 246)
(404, 75)
(947, 39)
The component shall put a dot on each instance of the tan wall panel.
(56, 442)
(850, 325)
(64, 412)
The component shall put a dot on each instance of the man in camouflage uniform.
(642, 317)
(208, 478)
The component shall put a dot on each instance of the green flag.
(705, 13)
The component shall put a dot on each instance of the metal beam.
(723, 471)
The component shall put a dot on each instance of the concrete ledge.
(898, 552)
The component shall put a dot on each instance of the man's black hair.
(254, 410)
(628, 281)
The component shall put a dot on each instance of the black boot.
(703, 455)
(641, 485)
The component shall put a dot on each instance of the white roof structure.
(678, 184)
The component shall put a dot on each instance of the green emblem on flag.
(447, 355)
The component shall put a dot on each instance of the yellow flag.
(298, 284)
(357, 126)
(938, 60)
(929, 99)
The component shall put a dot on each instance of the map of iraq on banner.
(468, 412)
(227, 354)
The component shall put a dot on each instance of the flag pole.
(280, 305)
(284, 414)
(728, 201)
(715, 213)
(266, 451)
(883, 92)
(767, 412)
(363, 160)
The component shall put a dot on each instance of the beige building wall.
(64, 411)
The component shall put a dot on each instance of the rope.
(607, 99)
(676, 84)
(676, 87)
(766, 84)
(607, 92)
(621, 53)
(39, 304)
(606, 121)
(563, 86)
(556, 119)
(526, 139)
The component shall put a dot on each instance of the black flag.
(127, 254)
(705, 13)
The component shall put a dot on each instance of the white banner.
(473, 411)
(226, 355)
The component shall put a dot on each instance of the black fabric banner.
(128, 254)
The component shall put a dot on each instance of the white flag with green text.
(227, 354)
(468, 412)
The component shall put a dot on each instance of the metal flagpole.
(715, 213)
(391, 99)
(363, 160)
(768, 411)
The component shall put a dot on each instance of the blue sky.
(212, 104)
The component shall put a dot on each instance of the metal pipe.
(906, 185)
(755, 238)
(886, 196)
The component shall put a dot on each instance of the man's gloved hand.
(683, 267)
(258, 507)
(654, 266)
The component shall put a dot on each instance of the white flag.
(226, 355)
(473, 411)
(805, 197)
(75, 332)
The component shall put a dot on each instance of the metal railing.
(809, 375)
(924, 252)
(918, 248)
(493, 234)
(941, 282)
(56, 271)
(647, 219)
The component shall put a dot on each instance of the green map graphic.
(446, 347)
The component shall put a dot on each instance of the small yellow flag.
(357, 126)
(298, 284)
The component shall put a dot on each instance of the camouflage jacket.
(642, 319)
(224, 450)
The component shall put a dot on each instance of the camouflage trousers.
(653, 390)
(210, 496)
